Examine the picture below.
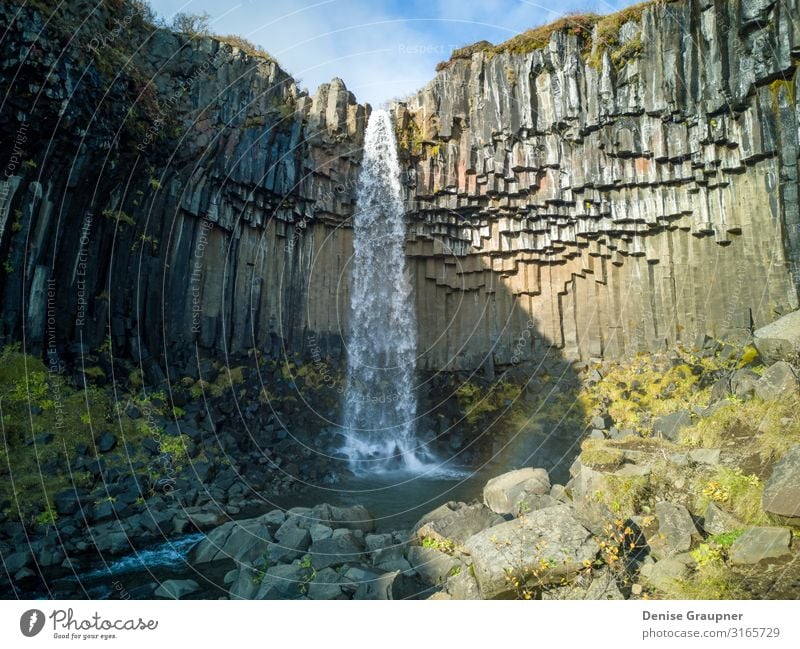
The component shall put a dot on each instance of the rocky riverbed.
(685, 485)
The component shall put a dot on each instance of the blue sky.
(381, 48)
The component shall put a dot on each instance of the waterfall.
(380, 406)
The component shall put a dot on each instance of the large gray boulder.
(282, 582)
(718, 521)
(432, 565)
(779, 340)
(781, 495)
(240, 541)
(325, 585)
(356, 517)
(778, 380)
(761, 544)
(456, 522)
(675, 530)
(548, 542)
(291, 542)
(334, 552)
(663, 574)
(506, 493)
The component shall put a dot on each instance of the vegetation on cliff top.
(597, 34)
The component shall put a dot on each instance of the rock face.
(556, 197)
(235, 214)
(605, 208)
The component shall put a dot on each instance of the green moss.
(598, 454)
(623, 495)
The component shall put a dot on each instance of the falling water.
(380, 404)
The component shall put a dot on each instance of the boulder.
(292, 543)
(503, 494)
(432, 565)
(761, 544)
(282, 582)
(334, 552)
(241, 541)
(669, 426)
(16, 561)
(675, 530)
(356, 517)
(462, 585)
(779, 340)
(549, 541)
(176, 588)
(777, 380)
(384, 549)
(662, 574)
(705, 456)
(781, 495)
(456, 522)
(106, 442)
(325, 585)
(743, 383)
(718, 521)
(389, 585)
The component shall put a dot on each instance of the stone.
(387, 586)
(601, 586)
(759, 544)
(241, 541)
(463, 585)
(705, 456)
(356, 517)
(291, 543)
(16, 561)
(334, 552)
(275, 518)
(106, 442)
(319, 532)
(383, 548)
(777, 380)
(779, 340)
(176, 588)
(663, 574)
(396, 564)
(66, 502)
(781, 495)
(676, 530)
(743, 383)
(718, 521)
(282, 582)
(455, 521)
(325, 585)
(549, 536)
(432, 565)
(503, 493)
(669, 426)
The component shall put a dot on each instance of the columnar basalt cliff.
(626, 185)
(619, 185)
(174, 191)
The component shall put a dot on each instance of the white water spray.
(380, 405)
